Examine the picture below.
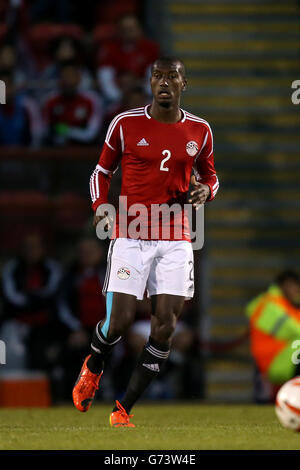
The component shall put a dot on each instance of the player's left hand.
(199, 194)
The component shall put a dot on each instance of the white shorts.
(160, 266)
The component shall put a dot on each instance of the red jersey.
(81, 112)
(75, 111)
(157, 160)
(135, 58)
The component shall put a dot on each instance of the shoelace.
(123, 411)
(91, 377)
(96, 380)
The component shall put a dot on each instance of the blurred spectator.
(9, 61)
(29, 286)
(64, 49)
(20, 121)
(274, 324)
(133, 98)
(131, 54)
(81, 304)
(73, 116)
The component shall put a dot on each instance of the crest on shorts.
(192, 148)
(123, 273)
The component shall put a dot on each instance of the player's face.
(167, 83)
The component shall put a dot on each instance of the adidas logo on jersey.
(142, 142)
(154, 367)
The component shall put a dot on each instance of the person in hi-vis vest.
(275, 328)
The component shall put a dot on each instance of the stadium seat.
(104, 33)
(110, 12)
(32, 199)
(42, 34)
(24, 212)
(71, 212)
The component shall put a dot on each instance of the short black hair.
(287, 275)
(170, 60)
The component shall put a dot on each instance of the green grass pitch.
(159, 427)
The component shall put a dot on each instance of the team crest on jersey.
(123, 273)
(192, 148)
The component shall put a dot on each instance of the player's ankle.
(95, 364)
(100, 349)
(124, 405)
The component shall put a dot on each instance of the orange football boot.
(85, 387)
(120, 418)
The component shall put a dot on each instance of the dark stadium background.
(241, 59)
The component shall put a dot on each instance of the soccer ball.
(287, 404)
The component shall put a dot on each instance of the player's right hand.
(98, 218)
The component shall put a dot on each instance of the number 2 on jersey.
(164, 160)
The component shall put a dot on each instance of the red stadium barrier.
(24, 389)
(110, 12)
(41, 34)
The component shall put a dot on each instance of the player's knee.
(164, 329)
(119, 326)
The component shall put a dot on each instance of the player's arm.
(205, 181)
(107, 165)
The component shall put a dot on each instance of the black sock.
(100, 348)
(148, 367)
